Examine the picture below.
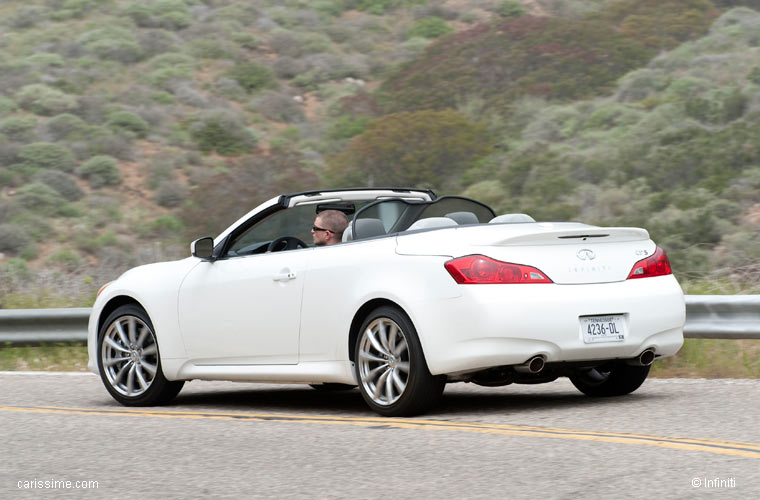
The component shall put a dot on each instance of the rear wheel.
(129, 361)
(390, 366)
(614, 379)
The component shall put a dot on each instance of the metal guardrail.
(707, 317)
(722, 317)
(29, 326)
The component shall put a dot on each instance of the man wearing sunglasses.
(328, 227)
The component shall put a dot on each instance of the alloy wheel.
(383, 361)
(129, 356)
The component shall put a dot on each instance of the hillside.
(128, 128)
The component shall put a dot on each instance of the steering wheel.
(286, 243)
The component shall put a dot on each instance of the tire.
(332, 387)
(608, 380)
(129, 362)
(390, 366)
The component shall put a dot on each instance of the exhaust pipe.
(644, 359)
(533, 365)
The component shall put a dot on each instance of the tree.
(426, 148)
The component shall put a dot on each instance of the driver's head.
(328, 227)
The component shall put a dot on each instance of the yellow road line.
(745, 450)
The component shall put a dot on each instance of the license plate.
(609, 328)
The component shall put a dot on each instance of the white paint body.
(230, 320)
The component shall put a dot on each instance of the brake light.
(656, 264)
(479, 269)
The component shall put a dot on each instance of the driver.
(328, 227)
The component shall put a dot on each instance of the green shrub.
(252, 76)
(553, 58)
(222, 132)
(100, 171)
(164, 98)
(65, 259)
(25, 17)
(164, 78)
(348, 126)
(657, 24)
(43, 100)
(45, 59)
(175, 20)
(288, 67)
(158, 41)
(278, 107)
(75, 9)
(164, 226)
(509, 8)
(430, 27)
(245, 40)
(426, 148)
(16, 268)
(112, 43)
(7, 106)
(66, 127)
(126, 120)
(754, 75)
(61, 182)
(169, 14)
(41, 155)
(328, 8)
(380, 7)
(7, 178)
(170, 194)
(213, 48)
(41, 198)
(170, 60)
(13, 238)
(21, 129)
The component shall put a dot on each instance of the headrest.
(512, 218)
(347, 236)
(463, 217)
(367, 228)
(432, 222)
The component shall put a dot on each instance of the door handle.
(284, 276)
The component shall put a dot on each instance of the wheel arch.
(113, 304)
(362, 314)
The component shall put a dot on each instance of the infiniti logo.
(586, 254)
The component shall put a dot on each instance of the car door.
(244, 310)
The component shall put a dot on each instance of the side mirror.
(202, 248)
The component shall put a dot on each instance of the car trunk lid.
(568, 253)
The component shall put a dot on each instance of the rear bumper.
(496, 325)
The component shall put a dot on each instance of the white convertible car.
(422, 291)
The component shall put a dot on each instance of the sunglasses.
(315, 229)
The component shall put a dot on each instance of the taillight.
(479, 269)
(656, 264)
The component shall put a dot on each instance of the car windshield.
(396, 214)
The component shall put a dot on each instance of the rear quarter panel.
(342, 278)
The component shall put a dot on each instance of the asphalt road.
(673, 438)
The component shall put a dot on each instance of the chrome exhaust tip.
(533, 365)
(644, 359)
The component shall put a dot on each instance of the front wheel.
(129, 362)
(614, 379)
(390, 366)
